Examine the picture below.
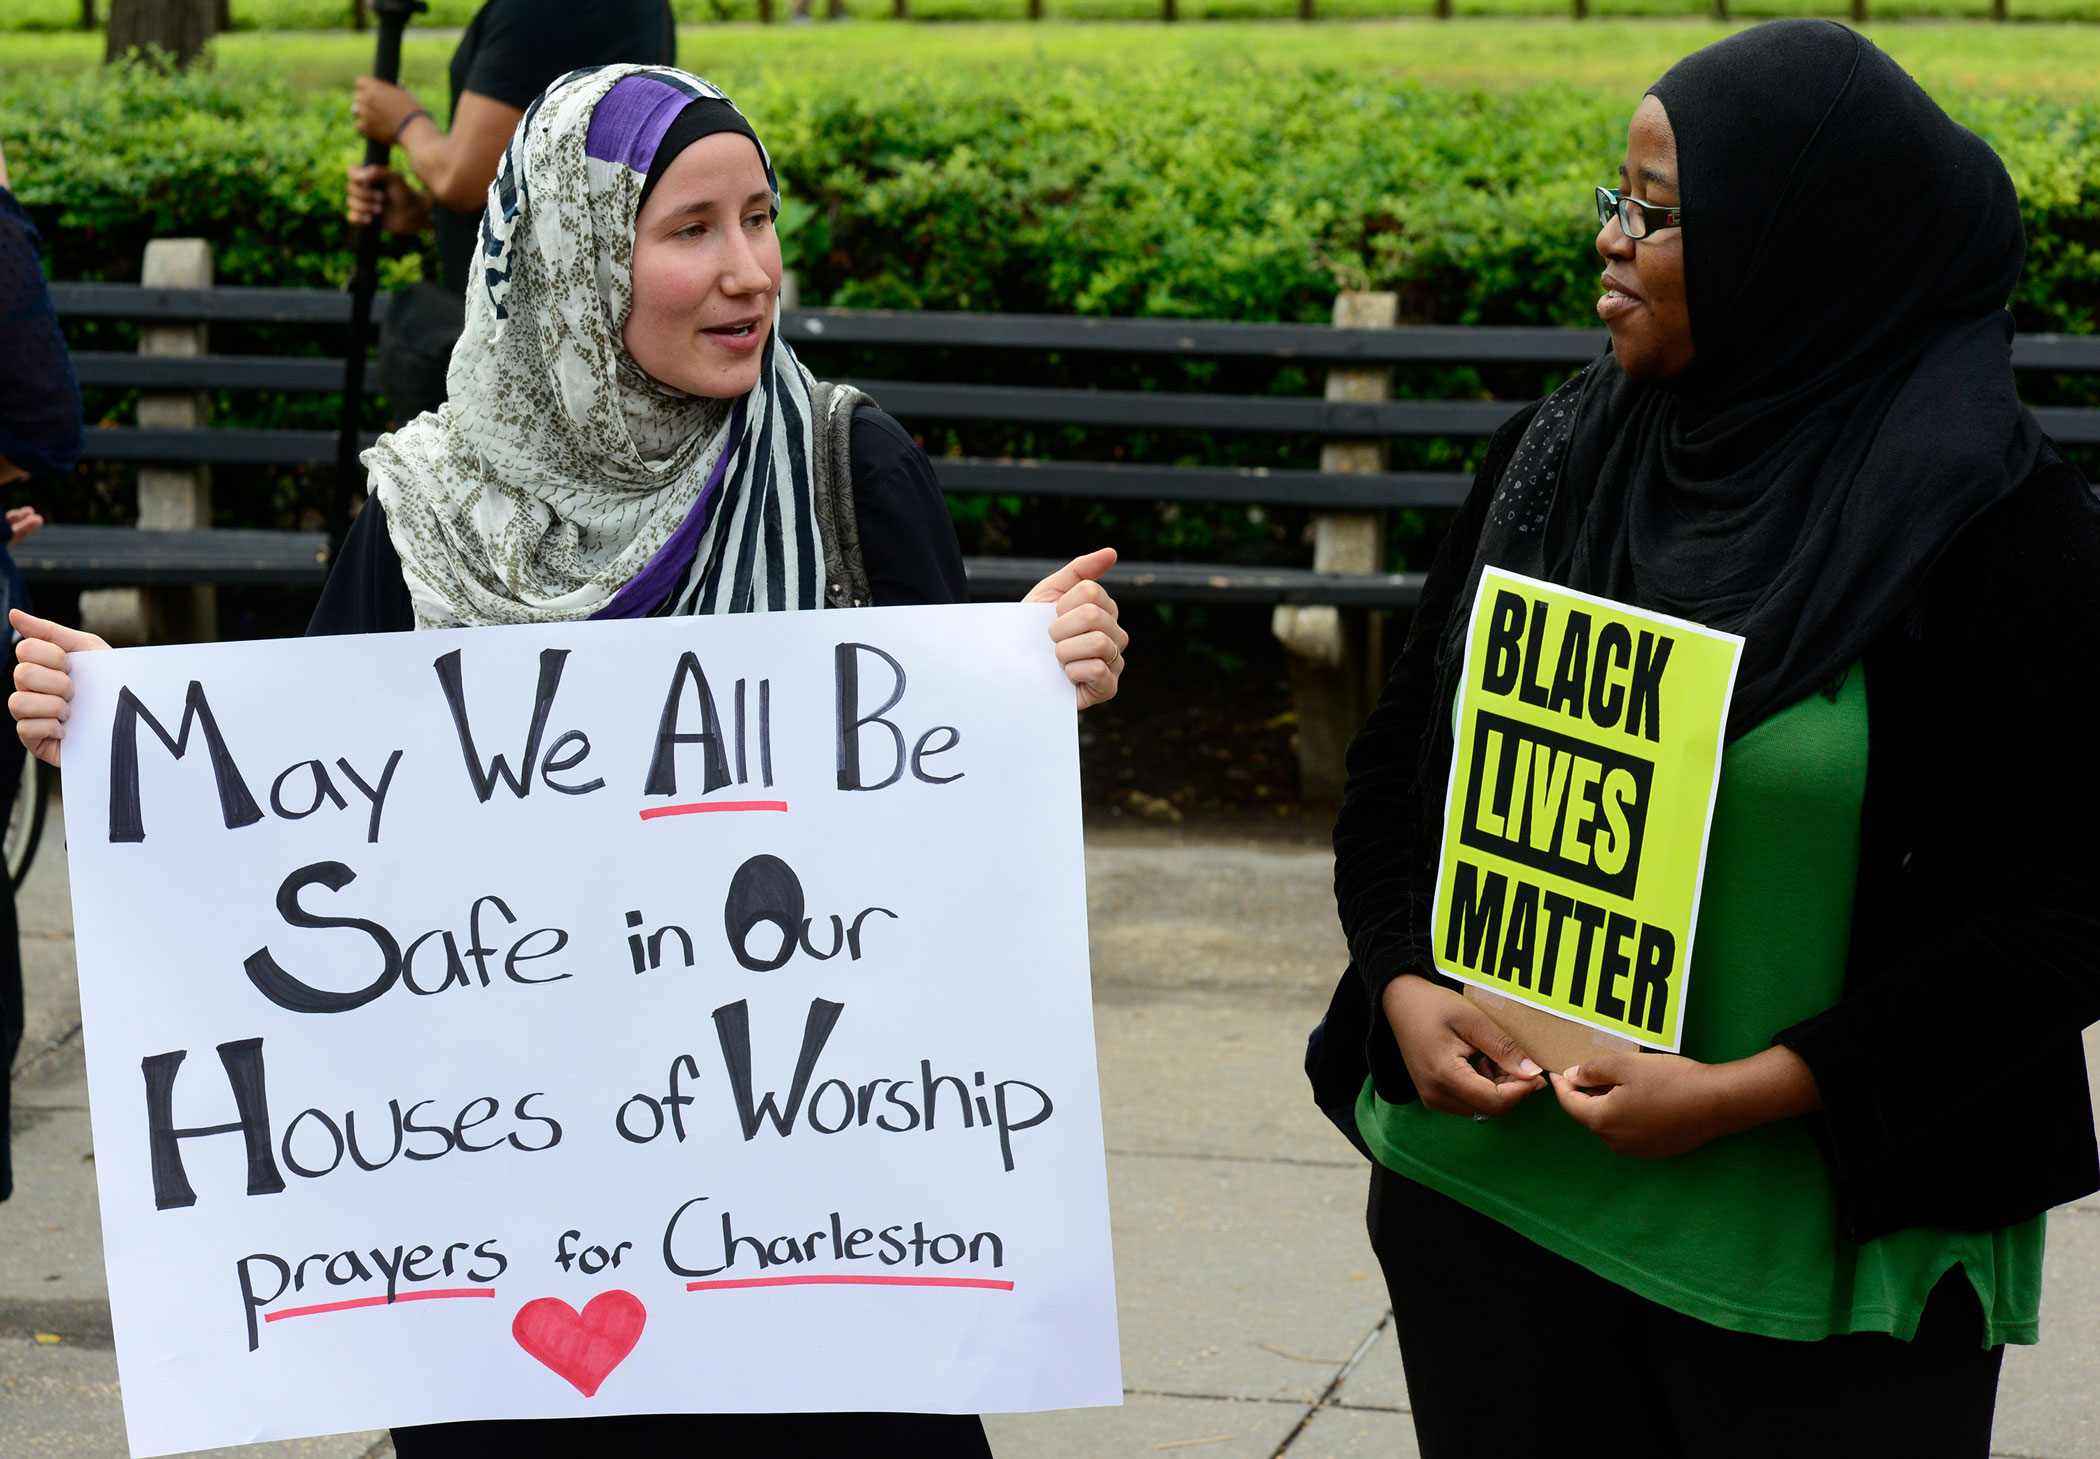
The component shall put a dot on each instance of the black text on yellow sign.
(1588, 741)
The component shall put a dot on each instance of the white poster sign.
(689, 1015)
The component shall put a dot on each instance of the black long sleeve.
(364, 592)
(1952, 1073)
(1386, 837)
(906, 537)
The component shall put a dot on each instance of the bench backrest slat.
(1187, 338)
(64, 553)
(1176, 410)
(215, 448)
(1197, 338)
(303, 375)
(233, 304)
(1195, 582)
(1335, 490)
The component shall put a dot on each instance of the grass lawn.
(330, 14)
(2057, 61)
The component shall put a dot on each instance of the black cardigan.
(1951, 1071)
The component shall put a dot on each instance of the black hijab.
(1849, 251)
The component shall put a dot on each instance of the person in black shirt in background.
(511, 52)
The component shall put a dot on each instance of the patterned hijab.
(558, 472)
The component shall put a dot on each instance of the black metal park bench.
(100, 555)
(112, 555)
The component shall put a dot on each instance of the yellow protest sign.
(1588, 750)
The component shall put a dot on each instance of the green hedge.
(1161, 187)
(110, 159)
(1137, 189)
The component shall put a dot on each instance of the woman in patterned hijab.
(626, 435)
(560, 467)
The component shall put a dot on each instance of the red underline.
(719, 805)
(851, 1282)
(380, 1301)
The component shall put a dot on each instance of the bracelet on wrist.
(418, 112)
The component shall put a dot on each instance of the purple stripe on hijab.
(629, 123)
(649, 587)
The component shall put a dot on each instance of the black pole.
(364, 277)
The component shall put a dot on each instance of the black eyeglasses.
(1636, 218)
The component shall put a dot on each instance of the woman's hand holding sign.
(1654, 1105)
(43, 695)
(1440, 1035)
(1644, 1105)
(1089, 641)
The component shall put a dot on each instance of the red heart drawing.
(581, 1346)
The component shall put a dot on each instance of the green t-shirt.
(1743, 1232)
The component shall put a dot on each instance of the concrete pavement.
(1254, 1322)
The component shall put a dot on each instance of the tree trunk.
(359, 17)
(87, 14)
(1720, 9)
(903, 10)
(1443, 9)
(1305, 9)
(1167, 11)
(836, 10)
(1582, 9)
(223, 20)
(177, 29)
(1035, 9)
(1859, 12)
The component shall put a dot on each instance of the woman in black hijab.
(1814, 1231)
